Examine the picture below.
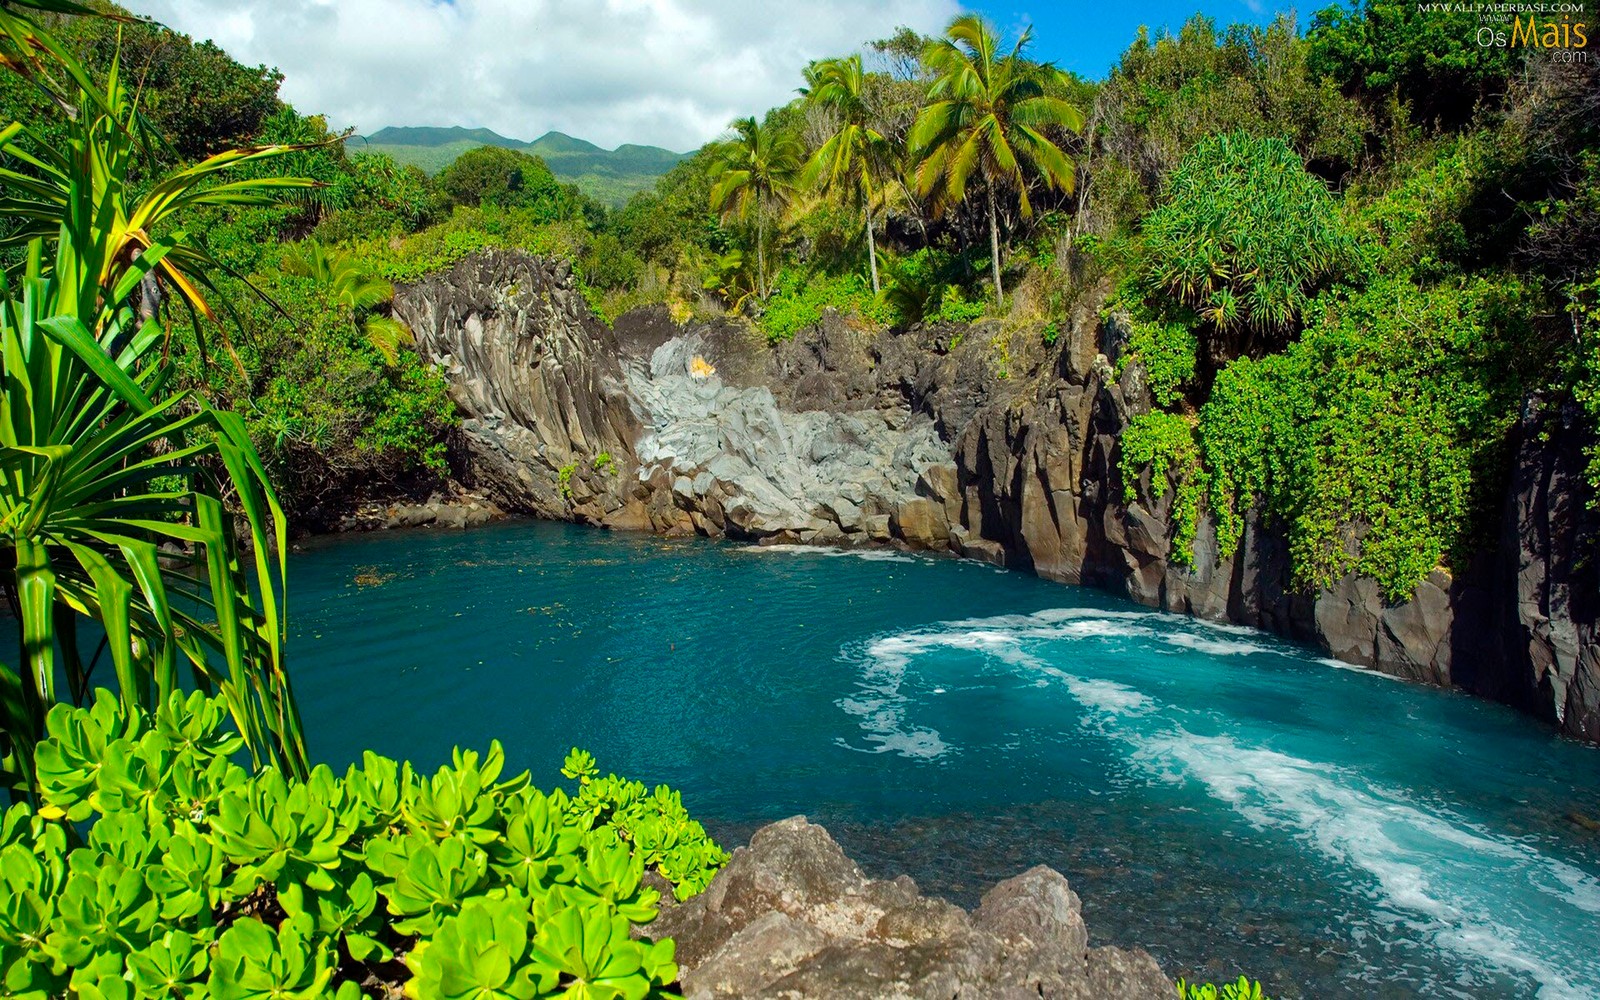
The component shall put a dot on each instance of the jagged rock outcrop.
(981, 440)
(547, 426)
(791, 917)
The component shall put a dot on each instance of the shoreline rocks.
(792, 917)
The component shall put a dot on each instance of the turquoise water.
(1222, 798)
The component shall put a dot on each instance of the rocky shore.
(985, 441)
(792, 917)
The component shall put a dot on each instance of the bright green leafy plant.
(1244, 989)
(153, 867)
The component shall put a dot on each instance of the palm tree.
(852, 160)
(757, 171)
(988, 117)
(104, 472)
(354, 288)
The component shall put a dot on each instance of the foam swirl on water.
(1430, 873)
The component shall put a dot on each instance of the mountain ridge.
(607, 175)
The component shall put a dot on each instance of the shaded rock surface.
(983, 441)
(792, 917)
(547, 427)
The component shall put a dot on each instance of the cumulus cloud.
(666, 72)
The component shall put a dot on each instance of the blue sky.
(667, 72)
(1087, 38)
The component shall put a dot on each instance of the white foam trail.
(1464, 888)
(869, 554)
(1467, 890)
(1214, 647)
(1355, 668)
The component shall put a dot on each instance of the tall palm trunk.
(872, 251)
(761, 248)
(994, 246)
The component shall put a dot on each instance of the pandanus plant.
(140, 515)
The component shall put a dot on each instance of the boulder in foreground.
(792, 917)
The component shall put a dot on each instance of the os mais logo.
(1548, 26)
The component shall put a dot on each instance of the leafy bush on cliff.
(1377, 438)
(155, 867)
(1164, 443)
(1245, 236)
(799, 300)
(1167, 350)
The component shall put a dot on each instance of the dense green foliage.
(1390, 49)
(104, 463)
(153, 867)
(1167, 351)
(1405, 318)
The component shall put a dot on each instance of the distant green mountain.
(611, 176)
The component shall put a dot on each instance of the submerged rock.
(791, 917)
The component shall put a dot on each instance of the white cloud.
(666, 72)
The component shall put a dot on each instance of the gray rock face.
(791, 917)
(742, 466)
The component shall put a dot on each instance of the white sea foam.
(1213, 647)
(1476, 893)
(1355, 668)
(1462, 888)
(869, 554)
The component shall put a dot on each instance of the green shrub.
(799, 300)
(1165, 444)
(926, 286)
(1243, 989)
(955, 307)
(154, 867)
(1245, 236)
(1167, 352)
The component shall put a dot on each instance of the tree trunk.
(994, 247)
(872, 253)
(761, 248)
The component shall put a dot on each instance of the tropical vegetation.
(151, 866)
(1332, 265)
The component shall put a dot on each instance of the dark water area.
(1228, 801)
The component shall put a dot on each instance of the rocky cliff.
(983, 441)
